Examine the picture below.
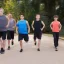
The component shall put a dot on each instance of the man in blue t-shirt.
(23, 30)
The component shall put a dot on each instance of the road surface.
(30, 55)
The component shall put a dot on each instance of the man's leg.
(20, 38)
(0, 42)
(8, 44)
(39, 41)
(21, 44)
(21, 50)
(26, 37)
(4, 44)
(12, 41)
(34, 38)
(34, 41)
(8, 38)
(12, 37)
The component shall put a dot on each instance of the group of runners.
(8, 24)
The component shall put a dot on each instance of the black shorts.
(23, 36)
(37, 35)
(10, 35)
(3, 35)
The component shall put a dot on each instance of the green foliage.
(47, 8)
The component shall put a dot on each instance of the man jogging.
(23, 30)
(38, 26)
(3, 29)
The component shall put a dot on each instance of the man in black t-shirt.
(38, 26)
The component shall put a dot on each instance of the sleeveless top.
(3, 23)
(22, 27)
(55, 26)
(37, 26)
(11, 24)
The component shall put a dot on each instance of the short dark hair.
(56, 16)
(22, 14)
(37, 14)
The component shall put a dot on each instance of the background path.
(30, 55)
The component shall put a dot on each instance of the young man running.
(10, 30)
(38, 26)
(23, 30)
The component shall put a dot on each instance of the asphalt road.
(30, 55)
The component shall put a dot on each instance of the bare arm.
(60, 26)
(14, 24)
(43, 25)
(51, 26)
(17, 27)
(7, 22)
(28, 26)
(32, 25)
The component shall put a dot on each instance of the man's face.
(1, 11)
(10, 15)
(55, 18)
(21, 17)
(38, 17)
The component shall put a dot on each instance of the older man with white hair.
(3, 30)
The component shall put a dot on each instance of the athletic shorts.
(10, 35)
(23, 36)
(3, 35)
(37, 35)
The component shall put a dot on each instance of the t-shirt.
(37, 26)
(11, 24)
(55, 26)
(3, 23)
(22, 27)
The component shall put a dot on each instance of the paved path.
(30, 55)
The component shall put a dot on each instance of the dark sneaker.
(56, 49)
(12, 43)
(38, 49)
(2, 51)
(8, 47)
(21, 50)
(35, 43)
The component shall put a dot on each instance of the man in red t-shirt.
(56, 27)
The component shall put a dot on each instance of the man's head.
(1, 11)
(22, 17)
(9, 15)
(55, 17)
(37, 17)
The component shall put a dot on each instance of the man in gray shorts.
(3, 30)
